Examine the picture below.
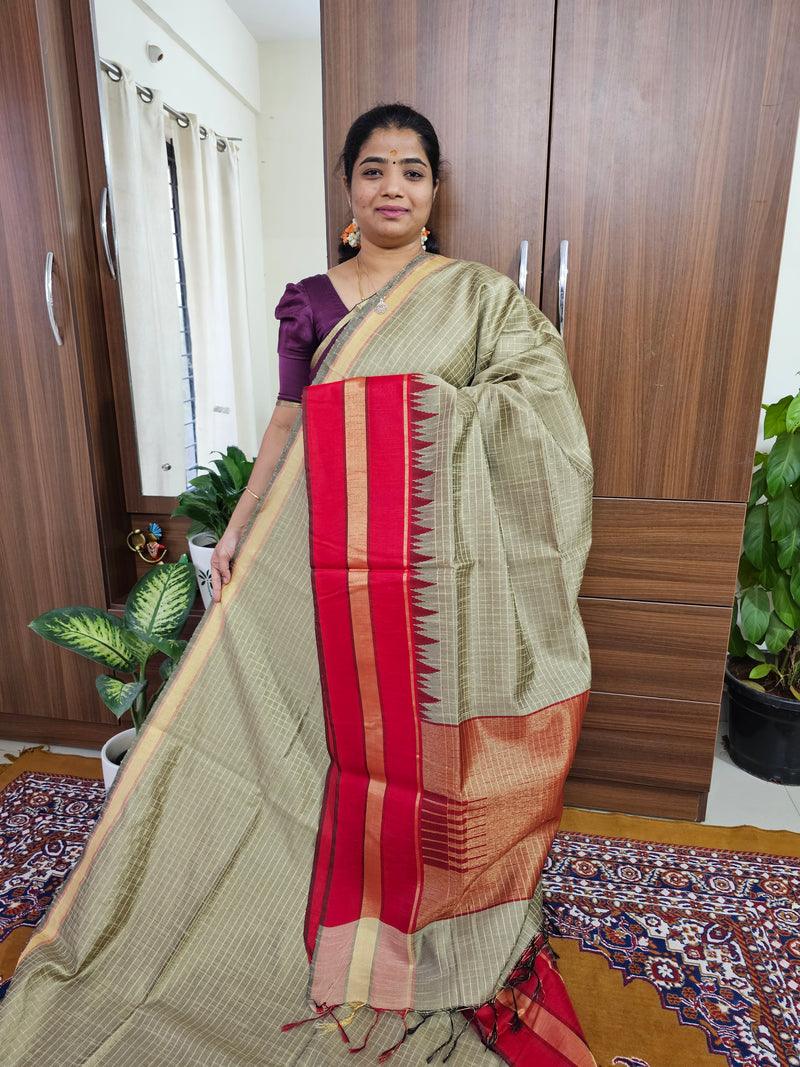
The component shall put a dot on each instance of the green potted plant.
(209, 503)
(763, 675)
(155, 613)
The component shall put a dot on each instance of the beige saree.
(341, 807)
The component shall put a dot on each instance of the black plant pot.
(763, 733)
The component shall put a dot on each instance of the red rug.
(48, 807)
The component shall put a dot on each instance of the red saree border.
(361, 457)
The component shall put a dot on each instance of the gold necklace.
(381, 307)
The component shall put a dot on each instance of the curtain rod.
(114, 71)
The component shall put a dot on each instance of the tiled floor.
(736, 797)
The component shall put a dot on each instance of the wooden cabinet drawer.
(672, 651)
(647, 741)
(680, 551)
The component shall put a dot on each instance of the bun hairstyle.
(388, 117)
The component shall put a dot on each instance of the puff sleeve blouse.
(307, 312)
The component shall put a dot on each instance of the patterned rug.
(48, 806)
(679, 943)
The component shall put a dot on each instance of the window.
(187, 371)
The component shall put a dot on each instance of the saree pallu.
(388, 814)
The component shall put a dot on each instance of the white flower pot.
(201, 547)
(112, 753)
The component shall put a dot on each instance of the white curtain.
(140, 197)
(211, 228)
(211, 233)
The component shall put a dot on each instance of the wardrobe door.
(671, 152)
(481, 73)
(670, 159)
(50, 552)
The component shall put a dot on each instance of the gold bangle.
(255, 496)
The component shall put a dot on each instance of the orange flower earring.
(351, 235)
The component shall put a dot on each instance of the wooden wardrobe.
(656, 138)
(63, 521)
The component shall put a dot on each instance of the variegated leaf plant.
(155, 613)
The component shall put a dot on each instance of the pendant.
(381, 306)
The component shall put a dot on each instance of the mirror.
(268, 95)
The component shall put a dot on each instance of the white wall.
(292, 167)
(784, 349)
(210, 68)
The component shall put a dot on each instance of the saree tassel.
(459, 1035)
(329, 1013)
(384, 1056)
(516, 1022)
(373, 1024)
(492, 1039)
(444, 1044)
(409, 1030)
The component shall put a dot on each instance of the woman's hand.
(221, 560)
(272, 444)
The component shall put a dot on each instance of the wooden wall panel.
(481, 73)
(674, 651)
(667, 550)
(671, 152)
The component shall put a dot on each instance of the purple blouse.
(307, 311)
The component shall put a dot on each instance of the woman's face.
(392, 188)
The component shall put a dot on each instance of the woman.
(393, 808)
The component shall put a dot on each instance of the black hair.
(388, 117)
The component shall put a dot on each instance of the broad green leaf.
(778, 634)
(753, 685)
(755, 653)
(775, 417)
(789, 550)
(737, 646)
(794, 692)
(756, 535)
(142, 650)
(747, 574)
(239, 466)
(755, 614)
(89, 632)
(782, 601)
(794, 584)
(770, 572)
(202, 487)
(224, 474)
(171, 648)
(783, 465)
(761, 671)
(159, 603)
(117, 695)
(793, 414)
(784, 514)
(758, 486)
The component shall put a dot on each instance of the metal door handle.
(562, 282)
(48, 296)
(523, 265)
(104, 231)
